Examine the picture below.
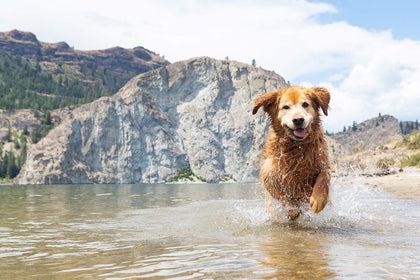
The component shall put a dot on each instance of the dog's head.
(294, 109)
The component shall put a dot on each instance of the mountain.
(40, 75)
(191, 115)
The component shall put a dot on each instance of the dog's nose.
(298, 122)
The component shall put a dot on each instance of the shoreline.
(405, 184)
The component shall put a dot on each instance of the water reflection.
(297, 253)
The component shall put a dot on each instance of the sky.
(365, 52)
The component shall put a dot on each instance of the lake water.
(203, 231)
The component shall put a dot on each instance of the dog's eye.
(286, 107)
(305, 104)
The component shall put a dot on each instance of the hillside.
(382, 159)
(376, 146)
(46, 76)
(372, 132)
(38, 77)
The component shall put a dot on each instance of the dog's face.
(294, 109)
(296, 112)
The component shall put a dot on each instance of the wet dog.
(295, 168)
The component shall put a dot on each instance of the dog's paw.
(293, 214)
(318, 202)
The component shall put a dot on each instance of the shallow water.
(203, 231)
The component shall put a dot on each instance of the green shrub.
(411, 141)
(385, 163)
(359, 149)
(186, 174)
(414, 143)
(227, 178)
(413, 160)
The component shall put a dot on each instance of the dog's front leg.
(269, 205)
(319, 197)
(293, 212)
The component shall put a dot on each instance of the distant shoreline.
(404, 184)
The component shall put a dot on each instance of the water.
(203, 231)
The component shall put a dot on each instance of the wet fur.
(295, 171)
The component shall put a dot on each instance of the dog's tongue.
(300, 132)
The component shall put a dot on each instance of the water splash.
(353, 205)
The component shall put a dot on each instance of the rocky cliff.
(194, 114)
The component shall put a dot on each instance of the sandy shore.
(404, 184)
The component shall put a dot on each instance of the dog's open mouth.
(299, 133)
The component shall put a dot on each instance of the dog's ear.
(266, 100)
(321, 97)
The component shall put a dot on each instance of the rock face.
(114, 66)
(194, 114)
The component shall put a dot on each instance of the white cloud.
(386, 82)
(367, 72)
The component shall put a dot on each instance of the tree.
(47, 119)
(22, 157)
(25, 131)
(354, 127)
(36, 135)
(11, 169)
(254, 63)
(8, 136)
(2, 173)
(16, 143)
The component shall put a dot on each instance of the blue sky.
(402, 17)
(367, 53)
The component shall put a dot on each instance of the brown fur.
(295, 166)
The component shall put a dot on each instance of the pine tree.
(47, 119)
(12, 169)
(2, 171)
(8, 136)
(25, 131)
(3, 166)
(22, 157)
(354, 126)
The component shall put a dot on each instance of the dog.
(295, 168)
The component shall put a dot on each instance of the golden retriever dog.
(295, 167)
